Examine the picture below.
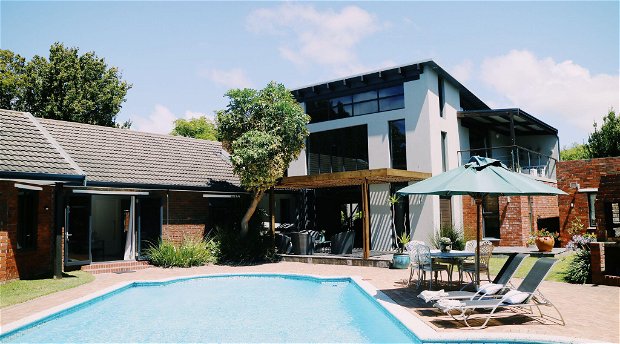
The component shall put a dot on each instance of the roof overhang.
(350, 178)
(47, 177)
(499, 120)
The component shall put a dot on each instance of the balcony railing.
(516, 158)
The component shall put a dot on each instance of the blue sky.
(559, 61)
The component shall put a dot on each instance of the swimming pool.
(232, 308)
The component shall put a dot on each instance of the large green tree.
(575, 151)
(199, 128)
(606, 141)
(264, 131)
(66, 86)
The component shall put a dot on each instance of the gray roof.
(111, 156)
(26, 149)
(120, 156)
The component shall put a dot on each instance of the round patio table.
(452, 257)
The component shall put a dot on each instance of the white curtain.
(130, 243)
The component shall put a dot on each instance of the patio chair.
(425, 264)
(498, 287)
(526, 295)
(413, 257)
(486, 251)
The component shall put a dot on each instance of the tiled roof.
(27, 148)
(120, 156)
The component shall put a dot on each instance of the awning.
(351, 178)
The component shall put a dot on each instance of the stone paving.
(591, 312)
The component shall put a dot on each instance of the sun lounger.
(526, 296)
(499, 286)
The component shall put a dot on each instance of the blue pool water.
(225, 309)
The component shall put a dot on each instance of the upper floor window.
(441, 94)
(362, 103)
(27, 206)
(338, 150)
(398, 144)
(444, 151)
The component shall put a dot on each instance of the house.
(79, 194)
(416, 118)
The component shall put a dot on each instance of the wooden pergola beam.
(350, 178)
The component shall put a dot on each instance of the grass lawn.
(23, 290)
(556, 274)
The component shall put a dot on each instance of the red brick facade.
(16, 263)
(514, 217)
(586, 173)
(185, 216)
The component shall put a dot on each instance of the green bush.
(191, 252)
(256, 246)
(579, 268)
(454, 233)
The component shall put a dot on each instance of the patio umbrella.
(478, 178)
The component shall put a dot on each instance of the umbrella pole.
(478, 210)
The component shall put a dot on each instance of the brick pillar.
(597, 260)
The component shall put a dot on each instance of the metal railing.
(517, 158)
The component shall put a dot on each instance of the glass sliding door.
(78, 231)
(149, 223)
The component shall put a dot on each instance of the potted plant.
(445, 244)
(543, 239)
(400, 259)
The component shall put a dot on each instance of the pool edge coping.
(413, 323)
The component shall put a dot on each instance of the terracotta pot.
(545, 244)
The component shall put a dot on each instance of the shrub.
(453, 233)
(191, 252)
(579, 268)
(256, 246)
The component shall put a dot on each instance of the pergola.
(361, 178)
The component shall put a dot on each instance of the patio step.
(115, 267)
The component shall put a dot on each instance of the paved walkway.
(591, 312)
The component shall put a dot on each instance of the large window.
(27, 205)
(591, 209)
(398, 144)
(338, 150)
(378, 100)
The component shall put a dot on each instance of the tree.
(606, 141)
(263, 130)
(67, 86)
(199, 128)
(574, 152)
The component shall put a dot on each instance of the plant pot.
(400, 261)
(544, 244)
(342, 243)
(445, 248)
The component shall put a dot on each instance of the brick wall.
(514, 215)
(588, 174)
(16, 263)
(185, 215)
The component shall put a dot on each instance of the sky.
(558, 61)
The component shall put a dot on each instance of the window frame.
(591, 209)
(391, 143)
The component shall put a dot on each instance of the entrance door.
(77, 231)
(149, 223)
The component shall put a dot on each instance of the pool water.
(252, 308)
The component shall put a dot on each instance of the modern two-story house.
(417, 118)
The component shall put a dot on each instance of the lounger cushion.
(515, 297)
(490, 288)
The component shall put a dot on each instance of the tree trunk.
(258, 195)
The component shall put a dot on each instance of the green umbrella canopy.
(481, 176)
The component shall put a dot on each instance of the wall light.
(572, 205)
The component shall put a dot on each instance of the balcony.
(516, 158)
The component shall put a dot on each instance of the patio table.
(453, 256)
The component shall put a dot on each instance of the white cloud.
(542, 86)
(232, 78)
(327, 37)
(462, 72)
(161, 120)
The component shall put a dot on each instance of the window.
(444, 152)
(27, 205)
(338, 150)
(445, 211)
(401, 209)
(398, 144)
(440, 94)
(362, 103)
(490, 216)
(591, 209)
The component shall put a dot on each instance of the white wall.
(380, 217)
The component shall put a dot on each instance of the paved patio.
(591, 312)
